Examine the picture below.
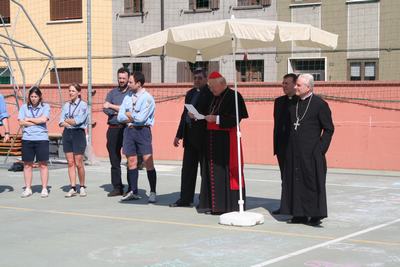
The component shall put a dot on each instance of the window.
(5, 11)
(133, 6)
(144, 68)
(313, 66)
(185, 69)
(65, 9)
(301, 2)
(250, 70)
(203, 4)
(5, 76)
(359, 70)
(254, 2)
(360, 1)
(66, 75)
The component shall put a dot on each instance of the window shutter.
(62, 9)
(184, 74)
(138, 8)
(128, 6)
(192, 4)
(265, 2)
(5, 10)
(146, 70)
(75, 8)
(66, 75)
(214, 4)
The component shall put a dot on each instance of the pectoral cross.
(296, 124)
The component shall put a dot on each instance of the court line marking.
(305, 250)
(331, 184)
(216, 227)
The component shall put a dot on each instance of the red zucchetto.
(214, 75)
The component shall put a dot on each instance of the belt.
(112, 126)
(138, 127)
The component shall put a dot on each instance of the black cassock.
(303, 189)
(219, 191)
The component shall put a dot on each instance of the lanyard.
(71, 115)
(34, 114)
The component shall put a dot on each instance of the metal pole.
(89, 69)
(162, 57)
(51, 56)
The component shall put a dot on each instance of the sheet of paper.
(194, 111)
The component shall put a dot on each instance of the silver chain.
(297, 109)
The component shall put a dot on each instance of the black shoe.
(276, 212)
(298, 220)
(115, 192)
(314, 221)
(179, 203)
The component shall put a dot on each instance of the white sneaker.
(44, 193)
(130, 196)
(82, 192)
(27, 193)
(152, 197)
(71, 193)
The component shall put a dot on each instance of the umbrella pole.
(240, 218)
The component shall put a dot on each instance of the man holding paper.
(192, 129)
(220, 181)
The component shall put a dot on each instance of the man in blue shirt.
(115, 132)
(137, 111)
(4, 119)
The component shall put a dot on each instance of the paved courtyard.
(363, 228)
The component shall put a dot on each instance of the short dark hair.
(139, 77)
(123, 70)
(291, 75)
(200, 71)
(34, 90)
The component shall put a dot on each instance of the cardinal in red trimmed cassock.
(220, 184)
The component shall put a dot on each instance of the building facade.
(368, 46)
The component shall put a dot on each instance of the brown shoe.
(115, 192)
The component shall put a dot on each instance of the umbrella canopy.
(214, 38)
(222, 37)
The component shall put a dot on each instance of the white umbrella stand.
(241, 217)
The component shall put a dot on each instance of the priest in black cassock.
(219, 191)
(282, 121)
(303, 189)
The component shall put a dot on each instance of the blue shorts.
(137, 140)
(32, 149)
(74, 140)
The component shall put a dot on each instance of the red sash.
(233, 155)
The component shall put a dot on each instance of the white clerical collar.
(307, 96)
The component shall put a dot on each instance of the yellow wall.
(66, 40)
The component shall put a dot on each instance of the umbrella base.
(241, 218)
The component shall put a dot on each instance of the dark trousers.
(114, 145)
(191, 160)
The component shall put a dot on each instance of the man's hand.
(191, 115)
(211, 118)
(106, 105)
(129, 115)
(176, 142)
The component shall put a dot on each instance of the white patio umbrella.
(223, 37)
